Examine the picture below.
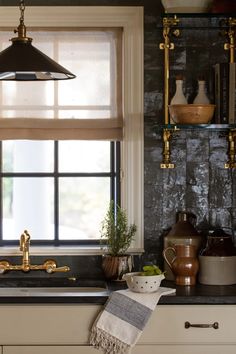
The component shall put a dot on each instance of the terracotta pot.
(114, 267)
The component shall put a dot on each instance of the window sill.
(61, 251)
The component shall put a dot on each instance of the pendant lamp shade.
(23, 62)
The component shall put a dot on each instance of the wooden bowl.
(192, 113)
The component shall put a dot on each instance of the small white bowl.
(142, 283)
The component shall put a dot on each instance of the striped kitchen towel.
(119, 326)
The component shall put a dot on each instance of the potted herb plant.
(116, 237)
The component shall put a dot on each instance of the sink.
(54, 291)
(54, 287)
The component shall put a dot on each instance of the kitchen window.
(60, 190)
(69, 147)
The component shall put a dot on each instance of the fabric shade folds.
(60, 129)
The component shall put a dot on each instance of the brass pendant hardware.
(21, 29)
(231, 163)
(49, 265)
(230, 33)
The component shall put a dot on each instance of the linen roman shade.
(88, 107)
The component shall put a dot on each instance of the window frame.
(130, 19)
(112, 174)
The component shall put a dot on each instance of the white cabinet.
(139, 349)
(184, 349)
(60, 329)
(49, 350)
(79, 349)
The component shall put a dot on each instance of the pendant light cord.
(22, 10)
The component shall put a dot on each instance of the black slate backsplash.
(199, 183)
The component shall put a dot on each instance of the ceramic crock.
(219, 244)
(217, 270)
(218, 260)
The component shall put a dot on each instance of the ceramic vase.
(184, 264)
(179, 97)
(201, 97)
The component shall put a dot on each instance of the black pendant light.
(23, 62)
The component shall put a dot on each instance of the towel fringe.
(107, 343)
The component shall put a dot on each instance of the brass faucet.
(49, 265)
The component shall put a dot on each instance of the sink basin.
(52, 287)
(55, 292)
(54, 282)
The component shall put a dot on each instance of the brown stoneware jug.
(184, 264)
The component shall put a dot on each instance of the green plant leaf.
(115, 231)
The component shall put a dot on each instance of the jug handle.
(165, 255)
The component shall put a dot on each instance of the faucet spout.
(24, 247)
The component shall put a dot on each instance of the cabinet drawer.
(44, 349)
(47, 324)
(167, 325)
(184, 349)
(138, 349)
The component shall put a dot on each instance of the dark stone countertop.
(200, 294)
(185, 295)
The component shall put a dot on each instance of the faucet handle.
(51, 267)
(4, 265)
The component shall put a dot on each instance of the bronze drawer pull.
(214, 325)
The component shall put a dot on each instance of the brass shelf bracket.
(168, 31)
(231, 163)
(230, 33)
(167, 136)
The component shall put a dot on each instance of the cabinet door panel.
(45, 349)
(184, 349)
(139, 349)
(167, 325)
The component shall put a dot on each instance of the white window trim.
(131, 20)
